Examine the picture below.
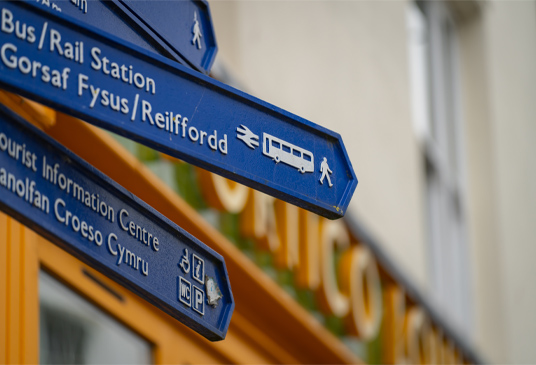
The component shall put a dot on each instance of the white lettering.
(138, 232)
(121, 252)
(94, 94)
(56, 212)
(69, 219)
(121, 72)
(25, 66)
(12, 61)
(95, 52)
(121, 212)
(193, 136)
(7, 21)
(222, 144)
(55, 39)
(112, 251)
(146, 111)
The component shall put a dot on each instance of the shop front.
(307, 289)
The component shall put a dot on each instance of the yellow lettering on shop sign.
(302, 242)
(258, 221)
(287, 218)
(360, 281)
(221, 193)
(307, 274)
(333, 235)
(448, 352)
(435, 339)
(416, 331)
(394, 304)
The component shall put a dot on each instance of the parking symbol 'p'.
(199, 300)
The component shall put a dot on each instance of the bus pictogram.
(282, 151)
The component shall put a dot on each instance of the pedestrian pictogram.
(324, 169)
(197, 32)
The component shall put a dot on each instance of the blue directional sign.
(125, 89)
(57, 194)
(181, 30)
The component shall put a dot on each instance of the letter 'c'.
(360, 280)
(331, 300)
(112, 251)
(123, 211)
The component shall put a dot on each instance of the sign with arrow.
(180, 30)
(145, 97)
(66, 200)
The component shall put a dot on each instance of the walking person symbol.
(197, 32)
(324, 169)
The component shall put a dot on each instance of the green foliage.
(186, 180)
(306, 298)
(230, 226)
(129, 144)
(146, 153)
(335, 325)
(374, 350)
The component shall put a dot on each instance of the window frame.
(439, 130)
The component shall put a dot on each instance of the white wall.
(343, 65)
(486, 260)
(506, 246)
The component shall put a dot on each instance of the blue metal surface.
(57, 194)
(173, 109)
(172, 23)
(162, 26)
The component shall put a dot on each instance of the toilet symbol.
(324, 169)
(185, 262)
(185, 291)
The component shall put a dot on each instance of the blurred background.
(432, 263)
(435, 102)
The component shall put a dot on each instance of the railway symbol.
(247, 136)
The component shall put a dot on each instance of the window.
(434, 76)
(73, 331)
